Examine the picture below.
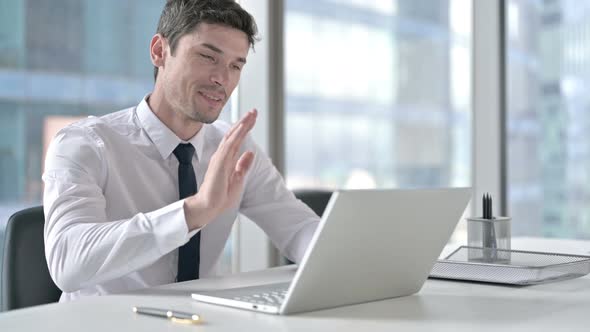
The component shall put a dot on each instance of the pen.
(489, 231)
(175, 316)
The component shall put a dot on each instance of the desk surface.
(439, 306)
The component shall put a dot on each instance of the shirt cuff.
(169, 226)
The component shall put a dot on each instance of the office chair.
(316, 199)
(25, 279)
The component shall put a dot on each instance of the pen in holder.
(490, 233)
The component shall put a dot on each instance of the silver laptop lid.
(374, 244)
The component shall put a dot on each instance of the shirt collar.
(163, 138)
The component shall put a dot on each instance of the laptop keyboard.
(268, 297)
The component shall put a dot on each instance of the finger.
(247, 120)
(234, 142)
(242, 167)
(237, 124)
(231, 142)
(227, 151)
(245, 162)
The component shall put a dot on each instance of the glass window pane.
(64, 59)
(548, 58)
(377, 93)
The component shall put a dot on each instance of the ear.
(158, 47)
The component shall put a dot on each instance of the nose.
(220, 75)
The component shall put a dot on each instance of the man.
(114, 221)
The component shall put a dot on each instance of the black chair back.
(317, 200)
(25, 279)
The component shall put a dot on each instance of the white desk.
(439, 306)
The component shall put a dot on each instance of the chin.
(207, 118)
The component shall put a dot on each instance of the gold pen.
(175, 316)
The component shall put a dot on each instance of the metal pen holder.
(491, 235)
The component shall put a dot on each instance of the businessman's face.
(204, 70)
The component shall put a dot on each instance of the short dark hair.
(180, 17)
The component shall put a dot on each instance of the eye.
(208, 57)
(236, 67)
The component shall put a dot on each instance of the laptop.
(369, 245)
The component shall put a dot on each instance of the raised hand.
(225, 175)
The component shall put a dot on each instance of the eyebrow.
(217, 50)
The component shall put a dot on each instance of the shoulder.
(219, 128)
(96, 129)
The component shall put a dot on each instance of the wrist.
(197, 212)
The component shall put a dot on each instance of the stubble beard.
(195, 115)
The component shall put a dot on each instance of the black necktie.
(188, 254)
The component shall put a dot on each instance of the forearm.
(83, 248)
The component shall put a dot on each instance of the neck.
(184, 127)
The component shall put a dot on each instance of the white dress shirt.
(113, 218)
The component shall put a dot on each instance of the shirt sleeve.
(82, 246)
(289, 223)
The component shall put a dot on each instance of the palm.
(224, 179)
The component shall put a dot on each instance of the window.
(548, 71)
(378, 93)
(64, 59)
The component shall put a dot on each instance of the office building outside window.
(378, 93)
(548, 123)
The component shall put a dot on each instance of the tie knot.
(184, 153)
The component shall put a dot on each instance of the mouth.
(211, 98)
